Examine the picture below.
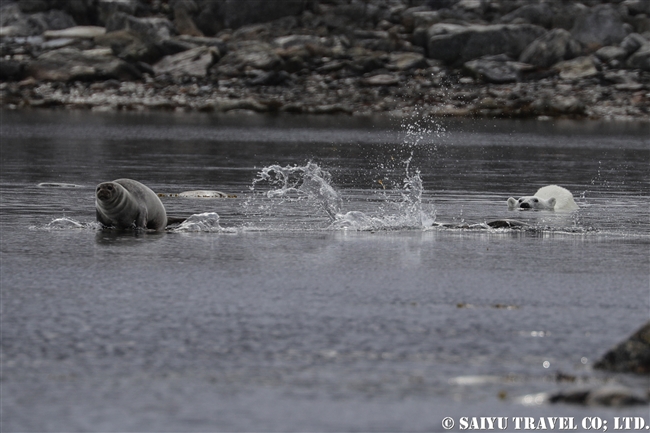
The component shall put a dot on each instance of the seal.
(126, 203)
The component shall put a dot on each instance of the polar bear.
(551, 197)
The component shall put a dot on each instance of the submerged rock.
(630, 356)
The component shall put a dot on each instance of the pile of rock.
(500, 58)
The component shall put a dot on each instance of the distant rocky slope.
(485, 58)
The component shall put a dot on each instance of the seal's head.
(531, 202)
(106, 191)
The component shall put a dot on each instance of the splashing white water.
(203, 222)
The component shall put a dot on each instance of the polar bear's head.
(531, 202)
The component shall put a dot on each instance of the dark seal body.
(126, 204)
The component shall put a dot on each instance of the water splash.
(296, 183)
(203, 222)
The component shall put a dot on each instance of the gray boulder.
(131, 46)
(459, 44)
(633, 42)
(631, 355)
(214, 15)
(70, 64)
(553, 47)
(640, 59)
(22, 24)
(194, 62)
(540, 14)
(250, 54)
(496, 69)
(600, 26)
(155, 29)
(611, 54)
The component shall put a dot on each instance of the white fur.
(551, 197)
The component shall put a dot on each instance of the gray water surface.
(330, 302)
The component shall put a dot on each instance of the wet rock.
(578, 68)
(496, 69)
(608, 396)
(459, 44)
(194, 62)
(553, 47)
(69, 64)
(600, 26)
(640, 59)
(76, 32)
(630, 356)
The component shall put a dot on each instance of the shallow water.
(325, 296)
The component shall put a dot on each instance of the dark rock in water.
(69, 64)
(553, 47)
(496, 69)
(194, 62)
(640, 59)
(630, 356)
(600, 26)
(507, 224)
(459, 44)
(608, 395)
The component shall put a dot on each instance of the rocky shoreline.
(476, 58)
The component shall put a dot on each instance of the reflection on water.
(353, 273)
